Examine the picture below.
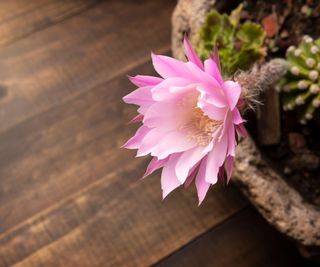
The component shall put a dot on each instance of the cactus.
(301, 85)
(240, 45)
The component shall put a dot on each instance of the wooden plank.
(57, 153)
(58, 63)
(19, 18)
(244, 240)
(117, 221)
(11, 9)
(66, 189)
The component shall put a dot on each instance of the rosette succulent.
(301, 85)
(240, 44)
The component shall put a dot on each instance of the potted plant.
(277, 167)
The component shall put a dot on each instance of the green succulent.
(240, 45)
(301, 85)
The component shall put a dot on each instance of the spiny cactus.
(301, 85)
(240, 45)
(258, 79)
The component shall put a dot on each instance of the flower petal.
(242, 130)
(154, 165)
(232, 91)
(166, 115)
(213, 112)
(216, 58)
(211, 68)
(162, 92)
(215, 160)
(140, 96)
(237, 119)
(192, 175)
(149, 142)
(169, 180)
(169, 67)
(144, 80)
(187, 161)
(191, 54)
(201, 184)
(231, 141)
(173, 142)
(138, 118)
(198, 76)
(135, 141)
(228, 164)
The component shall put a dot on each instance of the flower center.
(200, 127)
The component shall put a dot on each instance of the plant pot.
(279, 203)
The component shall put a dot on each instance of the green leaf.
(235, 16)
(251, 34)
(212, 27)
(239, 45)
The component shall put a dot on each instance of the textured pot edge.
(280, 204)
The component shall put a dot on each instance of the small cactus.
(301, 84)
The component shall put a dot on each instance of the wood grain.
(117, 221)
(74, 146)
(69, 195)
(244, 240)
(56, 64)
(52, 155)
(20, 18)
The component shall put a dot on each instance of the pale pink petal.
(215, 160)
(211, 97)
(216, 58)
(175, 90)
(213, 112)
(201, 183)
(187, 161)
(242, 130)
(150, 142)
(231, 141)
(144, 80)
(143, 109)
(135, 141)
(162, 91)
(139, 96)
(166, 115)
(228, 164)
(226, 124)
(237, 119)
(232, 91)
(169, 67)
(154, 165)
(211, 68)
(198, 76)
(169, 180)
(191, 54)
(192, 175)
(138, 118)
(173, 142)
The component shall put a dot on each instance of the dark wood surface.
(243, 240)
(69, 196)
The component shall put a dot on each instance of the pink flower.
(190, 121)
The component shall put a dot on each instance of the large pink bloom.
(190, 121)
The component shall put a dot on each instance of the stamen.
(200, 128)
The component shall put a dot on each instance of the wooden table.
(69, 196)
